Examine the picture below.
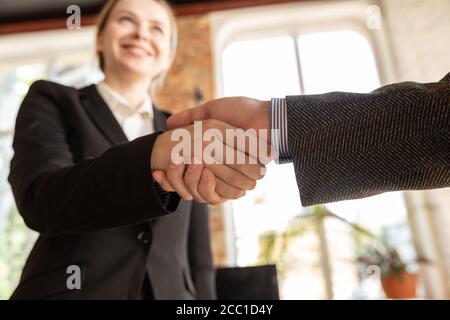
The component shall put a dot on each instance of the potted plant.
(397, 280)
(373, 251)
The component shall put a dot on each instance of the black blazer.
(348, 145)
(89, 192)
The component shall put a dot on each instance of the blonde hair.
(102, 20)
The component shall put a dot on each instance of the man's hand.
(240, 112)
(212, 182)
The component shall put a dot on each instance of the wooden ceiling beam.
(180, 10)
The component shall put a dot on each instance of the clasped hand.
(213, 165)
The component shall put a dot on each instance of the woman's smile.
(137, 50)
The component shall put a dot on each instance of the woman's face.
(136, 38)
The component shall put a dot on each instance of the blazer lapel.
(102, 115)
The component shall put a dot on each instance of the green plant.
(372, 249)
(389, 262)
(274, 245)
(387, 258)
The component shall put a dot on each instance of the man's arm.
(348, 145)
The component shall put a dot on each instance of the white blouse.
(135, 123)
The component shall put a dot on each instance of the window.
(64, 65)
(290, 60)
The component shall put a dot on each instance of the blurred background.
(393, 245)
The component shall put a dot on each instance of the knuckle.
(203, 192)
(228, 193)
(186, 196)
(190, 189)
(199, 199)
(189, 179)
(216, 202)
(251, 185)
(237, 194)
(211, 200)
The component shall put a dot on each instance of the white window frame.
(294, 19)
(35, 47)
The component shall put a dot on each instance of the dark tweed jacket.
(348, 145)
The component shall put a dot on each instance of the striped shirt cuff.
(279, 132)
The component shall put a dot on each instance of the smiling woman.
(81, 176)
(115, 44)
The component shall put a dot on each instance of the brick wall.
(192, 70)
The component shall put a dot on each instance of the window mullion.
(298, 63)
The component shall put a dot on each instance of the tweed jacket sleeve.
(347, 145)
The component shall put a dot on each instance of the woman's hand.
(211, 179)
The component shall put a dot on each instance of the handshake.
(216, 151)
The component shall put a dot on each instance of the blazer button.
(144, 237)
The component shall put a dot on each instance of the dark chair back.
(247, 283)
